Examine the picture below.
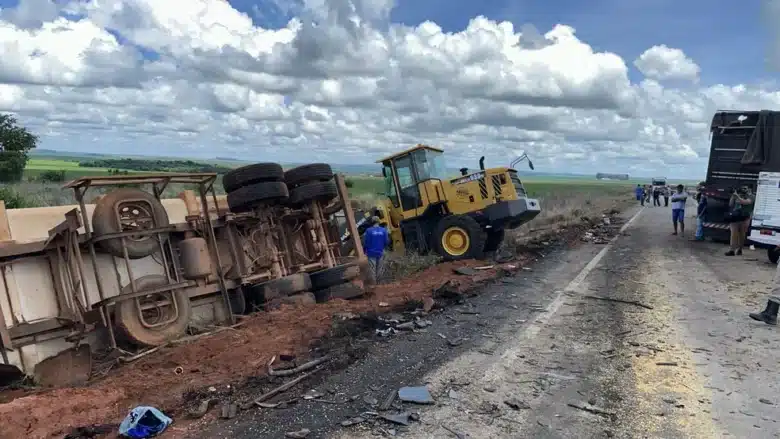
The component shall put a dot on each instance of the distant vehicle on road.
(659, 181)
(765, 225)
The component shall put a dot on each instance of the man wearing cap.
(375, 240)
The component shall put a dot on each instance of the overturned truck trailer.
(131, 271)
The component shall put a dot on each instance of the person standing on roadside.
(375, 240)
(640, 194)
(701, 208)
(679, 199)
(656, 196)
(740, 212)
(666, 193)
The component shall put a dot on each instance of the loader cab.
(413, 179)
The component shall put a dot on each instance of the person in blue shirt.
(375, 240)
(640, 194)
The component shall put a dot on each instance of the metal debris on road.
(353, 421)
(229, 410)
(388, 401)
(417, 395)
(666, 363)
(313, 394)
(592, 409)
(610, 299)
(300, 434)
(766, 401)
(398, 418)
(295, 370)
(517, 404)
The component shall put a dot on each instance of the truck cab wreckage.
(133, 271)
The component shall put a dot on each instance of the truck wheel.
(307, 173)
(322, 191)
(137, 210)
(158, 311)
(344, 291)
(275, 288)
(250, 174)
(494, 240)
(774, 254)
(337, 275)
(247, 198)
(457, 237)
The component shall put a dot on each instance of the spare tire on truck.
(129, 209)
(251, 174)
(153, 319)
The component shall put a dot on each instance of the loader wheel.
(494, 240)
(128, 209)
(247, 198)
(307, 173)
(275, 288)
(322, 191)
(337, 275)
(774, 255)
(162, 317)
(251, 174)
(459, 237)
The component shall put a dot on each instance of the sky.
(582, 87)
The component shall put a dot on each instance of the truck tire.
(344, 291)
(138, 210)
(308, 173)
(251, 174)
(322, 191)
(494, 240)
(128, 316)
(247, 198)
(275, 288)
(458, 237)
(774, 254)
(337, 275)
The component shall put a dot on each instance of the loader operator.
(375, 240)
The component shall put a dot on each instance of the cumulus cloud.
(662, 62)
(340, 82)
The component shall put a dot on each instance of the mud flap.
(71, 367)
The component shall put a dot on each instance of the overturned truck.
(131, 271)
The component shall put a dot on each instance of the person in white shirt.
(679, 199)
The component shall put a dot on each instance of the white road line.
(542, 319)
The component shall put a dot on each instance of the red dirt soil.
(222, 358)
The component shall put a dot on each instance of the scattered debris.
(489, 388)
(766, 401)
(455, 433)
(398, 418)
(370, 400)
(229, 411)
(517, 404)
(466, 271)
(388, 401)
(353, 421)
(454, 342)
(313, 394)
(383, 304)
(666, 363)
(91, 431)
(428, 303)
(592, 409)
(295, 370)
(202, 409)
(484, 267)
(300, 434)
(143, 422)
(610, 299)
(283, 388)
(417, 395)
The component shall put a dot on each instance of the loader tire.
(138, 210)
(322, 191)
(128, 316)
(337, 275)
(308, 173)
(247, 198)
(251, 174)
(494, 240)
(458, 237)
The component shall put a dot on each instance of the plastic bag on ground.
(144, 422)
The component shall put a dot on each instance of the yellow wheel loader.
(457, 218)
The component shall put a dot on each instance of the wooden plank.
(349, 215)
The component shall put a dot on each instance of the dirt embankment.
(230, 357)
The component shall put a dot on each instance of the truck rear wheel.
(458, 237)
(128, 209)
(322, 191)
(308, 173)
(153, 319)
(251, 174)
(247, 198)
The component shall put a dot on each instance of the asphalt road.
(686, 363)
